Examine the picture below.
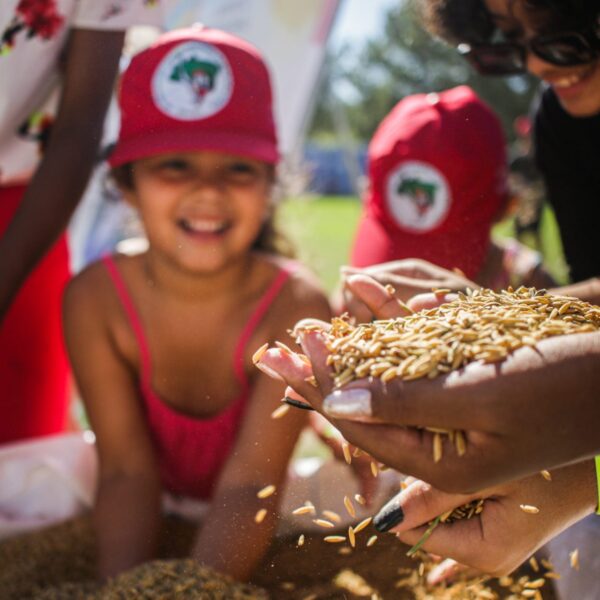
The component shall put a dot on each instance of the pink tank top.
(192, 451)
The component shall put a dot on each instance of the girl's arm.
(230, 540)
(126, 512)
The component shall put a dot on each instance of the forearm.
(92, 59)
(44, 213)
(230, 540)
(588, 290)
(126, 520)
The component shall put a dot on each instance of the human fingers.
(292, 368)
(355, 307)
(410, 268)
(420, 403)
(427, 301)
(462, 541)
(446, 570)
(416, 505)
(313, 344)
(377, 298)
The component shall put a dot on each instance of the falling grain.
(280, 411)
(259, 517)
(267, 491)
(374, 469)
(364, 523)
(346, 451)
(349, 507)
(323, 523)
(334, 539)
(351, 537)
(332, 516)
(574, 559)
(259, 353)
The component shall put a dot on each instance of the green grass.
(322, 229)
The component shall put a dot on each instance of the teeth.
(203, 226)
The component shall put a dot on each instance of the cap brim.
(163, 142)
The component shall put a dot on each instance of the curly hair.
(469, 21)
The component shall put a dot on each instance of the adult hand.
(503, 535)
(408, 277)
(537, 409)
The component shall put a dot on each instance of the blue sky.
(359, 20)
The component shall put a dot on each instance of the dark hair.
(269, 239)
(469, 21)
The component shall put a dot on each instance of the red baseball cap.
(437, 180)
(196, 89)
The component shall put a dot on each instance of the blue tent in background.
(327, 167)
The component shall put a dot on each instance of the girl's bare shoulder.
(92, 290)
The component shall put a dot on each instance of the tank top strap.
(255, 318)
(132, 317)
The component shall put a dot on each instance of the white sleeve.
(117, 15)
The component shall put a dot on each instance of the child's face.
(201, 209)
(577, 87)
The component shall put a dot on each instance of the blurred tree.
(405, 59)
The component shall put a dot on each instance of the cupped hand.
(517, 518)
(537, 409)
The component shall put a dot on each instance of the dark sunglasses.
(566, 49)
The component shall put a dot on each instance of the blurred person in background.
(438, 182)
(557, 41)
(58, 62)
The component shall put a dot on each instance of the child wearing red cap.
(161, 343)
(438, 182)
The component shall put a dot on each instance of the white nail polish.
(348, 404)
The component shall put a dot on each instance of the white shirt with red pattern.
(33, 36)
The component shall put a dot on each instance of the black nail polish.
(389, 516)
(297, 404)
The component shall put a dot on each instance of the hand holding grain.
(488, 542)
(511, 413)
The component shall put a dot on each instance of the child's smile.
(202, 209)
(204, 228)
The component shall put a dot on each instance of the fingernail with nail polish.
(348, 404)
(389, 516)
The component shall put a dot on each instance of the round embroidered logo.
(193, 81)
(418, 196)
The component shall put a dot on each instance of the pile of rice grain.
(160, 580)
(466, 587)
(58, 563)
(481, 325)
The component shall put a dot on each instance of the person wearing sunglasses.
(557, 41)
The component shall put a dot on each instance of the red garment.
(33, 361)
(191, 451)
(200, 89)
(437, 179)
